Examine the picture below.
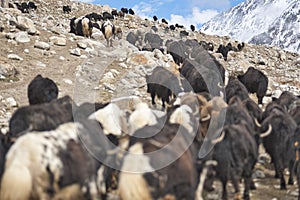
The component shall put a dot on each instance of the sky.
(184, 12)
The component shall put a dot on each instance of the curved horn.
(205, 118)
(219, 139)
(257, 123)
(220, 86)
(265, 134)
(155, 143)
(113, 151)
(190, 56)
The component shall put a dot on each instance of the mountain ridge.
(270, 22)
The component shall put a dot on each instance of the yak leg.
(224, 194)
(291, 170)
(247, 182)
(282, 181)
(235, 182)
(252, 185)
(153, 98)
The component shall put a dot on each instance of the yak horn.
(219, 139)
(265, 134)
(113, 151)
(204, 119)
(219, 85)
(190, 56)
(155, 143)
(257, 123)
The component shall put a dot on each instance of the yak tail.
(16, 183)
(133, 186)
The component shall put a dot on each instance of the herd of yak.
(56, 149)
(207, 130)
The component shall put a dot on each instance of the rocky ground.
(87, 70)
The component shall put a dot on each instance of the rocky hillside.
(87, 70)
(40, 43)
(272, 22)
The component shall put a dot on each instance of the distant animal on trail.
(108, 30)
(66, 9)
(255, 82)
(41, 90)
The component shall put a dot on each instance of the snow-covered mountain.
(272, 22)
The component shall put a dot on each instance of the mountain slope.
(273, 22)
(284, 31)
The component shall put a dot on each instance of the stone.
(75, 52)
(14, 57)
(109, 87)
(11, 102)
(10, 36)
(26, 24)
(82, 45)
(40, 64)
(68, 81)
(59, 41)
(22, 37)
(62, 58)
(7, 70)
(42, 45)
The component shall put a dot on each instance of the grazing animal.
(177, 49)
(279, 144)
(124, 10)
(41, 117)
(121, 14)
(236, 155)
(114, 12)
(207, 45)
(285, 99)
(112, 119)
(162, 83)
(52, 162)
(240, 46)
(176, 180)
(203, 72)
(67, 9)
(153, 40)
(118, 32)
(192, 28)
(255, 82)
(155, 18)
(108, 30)
(94, 17)
(41, 90)
(107, 16)
(163, 20)
(235, 88)
(130, 11)
(172, 27)
(82, 26)
(25, 7)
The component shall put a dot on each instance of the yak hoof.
(282, 186)
(252, 186)
(237, 196)
(291, 181)
(246, 196)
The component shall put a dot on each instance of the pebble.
(11, 102)
(42, 45)
(22, 37)
(14, 57)
(75, 52)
